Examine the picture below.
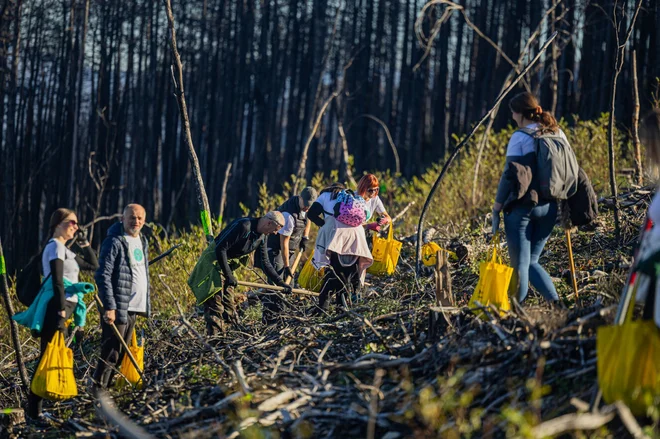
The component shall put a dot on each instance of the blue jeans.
(527, 230)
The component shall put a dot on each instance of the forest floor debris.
(372, 370)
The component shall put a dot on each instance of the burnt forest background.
(89, 120)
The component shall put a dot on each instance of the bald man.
(123, 285)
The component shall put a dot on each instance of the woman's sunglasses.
(71, 222)
(372, 190)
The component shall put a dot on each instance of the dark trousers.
(51, 321)
(112, 351)
(338, 279)
(272, 304)
(649, 306)
(219, 310)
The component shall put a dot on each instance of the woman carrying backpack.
(368, 189)
(341, 244)
(60, 263)
(528, 217)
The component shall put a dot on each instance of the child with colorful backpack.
(341, 245)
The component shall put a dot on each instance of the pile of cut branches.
(372, 369)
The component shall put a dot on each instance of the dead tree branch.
(618, 65)
(4, 288)
(177, 79)
(461, 145)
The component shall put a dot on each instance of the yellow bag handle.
(390, 235)
(59, 339)
(134, 340)
(631, 306)
(496, 243)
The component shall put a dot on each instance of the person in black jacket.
(59, 263)
(293, 236)
(240, 238)
(124, 290)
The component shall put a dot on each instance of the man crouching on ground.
(237, 240)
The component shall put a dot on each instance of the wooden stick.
(294, 266)
(570, 258)
(126, 426)
(438, 278)
(276, 288)
(223, 197)
(446, 278)
(121, 339)
(177, 79)
(629, 421)
(13, 328)
(398, 216)
(637, 150)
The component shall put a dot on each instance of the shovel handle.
(277, 288)
(572, 262)
(294, 266)
(121, 339)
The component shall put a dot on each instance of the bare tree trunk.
(618, 65)
(177, 78)
(639, 171)
(12, 323)
(300, 175)
(348, 172)
(554, 73)
(76, 108)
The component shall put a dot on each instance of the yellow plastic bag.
(493, 285)
(310, 278)
(385, 253)
(629, 363)
(54, 377)
(430, 254)
(127, 369)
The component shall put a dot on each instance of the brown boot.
(214, 325)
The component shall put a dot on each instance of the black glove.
(81, 238)
(231, 281)
(287, 287)
(287, 273)
(303, 243)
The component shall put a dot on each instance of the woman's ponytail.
(526, 104)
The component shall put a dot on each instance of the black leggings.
(338, 278)
(649, 306)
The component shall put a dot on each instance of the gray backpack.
(556, 166)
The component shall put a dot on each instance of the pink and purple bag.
(350, 209)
